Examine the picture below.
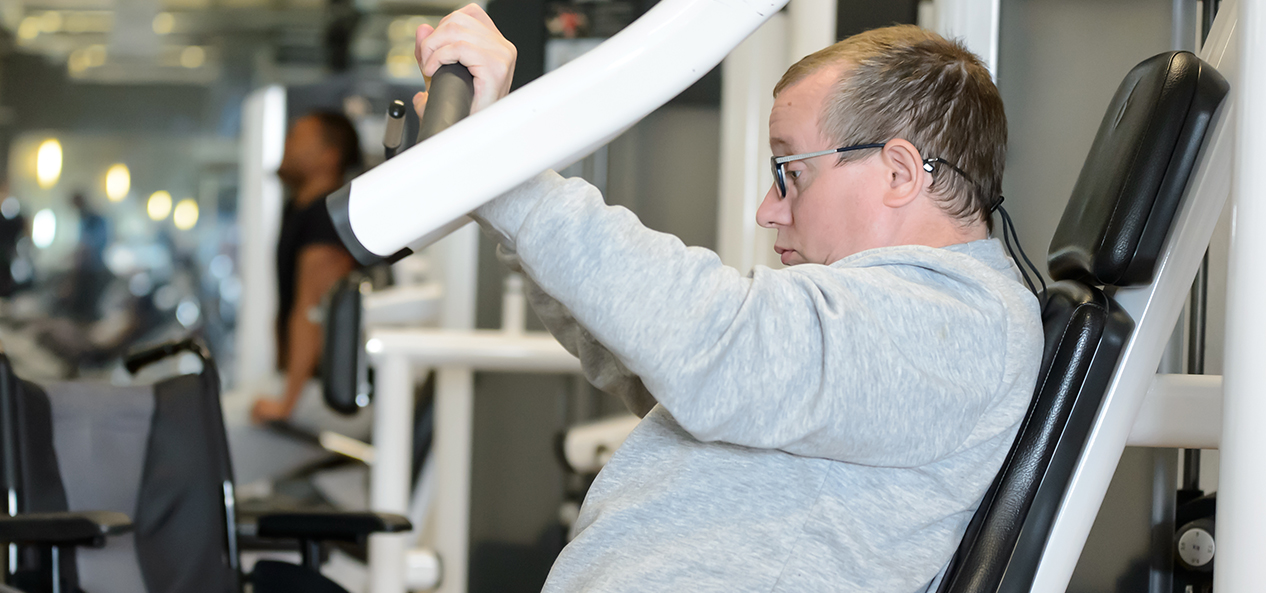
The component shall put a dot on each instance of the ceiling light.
(95, 55)
(186, 214)
(51, 22)
(192, 57)
(159, 205)
(48, 163)
(118, 181)
(163, 23)
(29, 28)
(77, 62)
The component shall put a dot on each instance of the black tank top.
(300, 227)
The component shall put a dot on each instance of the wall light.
(118, 182)
(48, 163)
(186, 214)
(159, 205)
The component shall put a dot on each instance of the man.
(90, 276)
(830, 426)
(320, 150)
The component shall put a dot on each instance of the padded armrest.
(330, 526)
(87, 528)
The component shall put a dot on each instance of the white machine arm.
(416, 197)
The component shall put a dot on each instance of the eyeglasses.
(778, 163)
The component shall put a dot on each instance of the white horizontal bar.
(550, 122)
(481, 350)
(1181, 411)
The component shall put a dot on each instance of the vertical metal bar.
(230, 520)
(1196, 319)
(310, 552)
(57, 569)
(9, 445)
(1210, 9)
(1184, 30)
(389, 475)
(454, 415)
(1241, 517)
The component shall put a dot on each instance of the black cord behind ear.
(1009, 236)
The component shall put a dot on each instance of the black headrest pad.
(1125, 199)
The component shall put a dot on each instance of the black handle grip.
(448, 100)
(139, 359)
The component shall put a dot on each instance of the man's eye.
(795, 174)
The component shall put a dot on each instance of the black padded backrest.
(29, 466)
(179, 519)
(343, 353)
(1085, 332)
(1127, 194)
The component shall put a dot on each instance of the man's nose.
(773, 210)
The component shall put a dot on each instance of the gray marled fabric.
(818, 428)
(101, 433)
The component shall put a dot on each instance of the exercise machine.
(606, 90)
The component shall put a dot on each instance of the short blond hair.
(908, 82)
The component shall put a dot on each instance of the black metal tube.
(1196, 319)
(448, 100)
(1210, 11)
(311, 551)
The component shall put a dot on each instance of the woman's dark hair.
(341, 134)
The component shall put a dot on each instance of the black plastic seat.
(1112, 233)
(157, 454)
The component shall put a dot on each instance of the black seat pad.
(1136, 172)
(1085, 332)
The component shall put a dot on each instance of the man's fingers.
(420, 36)
(469, 37)
(419, 103)
(453, 27)
(474, 11)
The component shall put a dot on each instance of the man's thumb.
(419, 103)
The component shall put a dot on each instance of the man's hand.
(467, 36)
(267, 410)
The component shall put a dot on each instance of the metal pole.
(1241, 517)
(454, 415)
(1195, 360)
(389, 474)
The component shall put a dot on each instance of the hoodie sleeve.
(884, 365)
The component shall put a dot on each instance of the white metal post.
(389, 475)
(1155, 309)
(259, 219)
(1241, 519)
(976, 23)
(454, 413)
(748, 76)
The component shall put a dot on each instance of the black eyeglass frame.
(776, 163)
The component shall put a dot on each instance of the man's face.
(306, 153)
(830, 209)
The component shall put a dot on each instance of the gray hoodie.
(815, 428)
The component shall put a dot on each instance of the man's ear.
(904, 167)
